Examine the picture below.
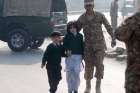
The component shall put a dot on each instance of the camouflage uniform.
(129, 32)
(94, 43)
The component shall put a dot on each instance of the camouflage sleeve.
(126, 30)
(122, 33)
(46, 55)
(80, 19)
(80, 23)
(108, 27)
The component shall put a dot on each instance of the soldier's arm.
(108, 27)
(122, 34)
(80, 23)
(126, 30)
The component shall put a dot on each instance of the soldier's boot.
(98, 86)
(88, 86)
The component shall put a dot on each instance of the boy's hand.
(68, 53)
(42, 66)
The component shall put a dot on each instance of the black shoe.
(70, 92)
(75, 91)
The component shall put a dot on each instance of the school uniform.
(53, 56)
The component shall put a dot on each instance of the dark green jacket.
(53, 55)
(74, 43)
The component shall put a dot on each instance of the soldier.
(114, 14)
(94, 50)
(129, 33)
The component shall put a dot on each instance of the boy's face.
(73, 29)
(56, 39)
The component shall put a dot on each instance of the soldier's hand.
(42, 66)
(113, 43)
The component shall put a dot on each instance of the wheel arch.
(10, 28)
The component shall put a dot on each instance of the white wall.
(100, 5)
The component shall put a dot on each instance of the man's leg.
(89, 69)
(88, 86)
(99, 57)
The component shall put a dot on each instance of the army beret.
(88, 2)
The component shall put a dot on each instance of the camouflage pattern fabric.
(94, 42)
(129, 33)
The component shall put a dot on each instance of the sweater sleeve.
(46, 55)
(80, 23)
(82, 45)
(66, 42)
(63, 52)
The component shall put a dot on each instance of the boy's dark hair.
(75, 24)
(56, 33)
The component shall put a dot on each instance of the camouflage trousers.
(132, 79)
(93, 58)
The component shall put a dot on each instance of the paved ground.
(21, 73)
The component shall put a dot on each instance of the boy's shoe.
(75, 91)
(70, 92)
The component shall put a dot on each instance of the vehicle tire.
(18, 40)
(34, 44)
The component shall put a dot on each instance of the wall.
(100, 5)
